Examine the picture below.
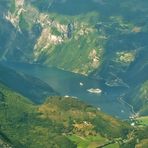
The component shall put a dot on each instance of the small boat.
(94, 90)
(81, 84)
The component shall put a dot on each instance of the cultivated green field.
(143, 120)
(89, 141)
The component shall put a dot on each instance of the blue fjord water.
(76, 85)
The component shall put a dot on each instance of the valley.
(73, 73)
(68, 84)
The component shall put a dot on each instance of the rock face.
(43, 34)
(97, 39)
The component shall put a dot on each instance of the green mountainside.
(62, 123)
(139, 100)
(29, 125)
